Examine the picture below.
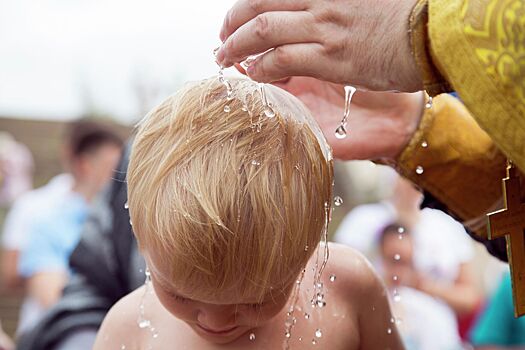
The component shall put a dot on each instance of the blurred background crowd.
(73, 82)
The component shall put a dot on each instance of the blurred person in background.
(107, 266)
(425, 322)
(16, 169)
(443, 252)
(18, 221)
(53, 233)
(496, 327)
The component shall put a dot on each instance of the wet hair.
(86, 136)
(231, 202)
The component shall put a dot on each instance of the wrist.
(411, 114)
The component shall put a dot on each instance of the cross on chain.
(510, 223)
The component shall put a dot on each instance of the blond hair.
(232, 202)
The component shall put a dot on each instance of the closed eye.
(177, 297)
(256, 306)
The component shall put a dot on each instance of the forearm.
(462, 299)
(9, 268)
(46, 287)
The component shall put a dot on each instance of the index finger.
(246, 10)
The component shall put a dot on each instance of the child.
(229, 196)
(425, 323)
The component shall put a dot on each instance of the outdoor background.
(113, 60)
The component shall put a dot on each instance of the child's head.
(396, 250)
(228, 207)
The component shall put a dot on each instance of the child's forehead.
(161, 276)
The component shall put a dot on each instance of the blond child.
(230, 193)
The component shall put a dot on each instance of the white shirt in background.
(442, 243)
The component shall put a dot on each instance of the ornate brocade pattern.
(496, 29)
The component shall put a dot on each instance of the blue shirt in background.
(497, 325)
(54, 235)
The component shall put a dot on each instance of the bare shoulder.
(354, 274)
(115, 330)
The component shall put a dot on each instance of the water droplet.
(248, 62)
(254, 162)
(392, 320)
(144, 324)
(306, 315)
(332, 278)
(424, 144)
(397, 257)
(244, 109)
(318, 333)
(314, 341)
(389, 330)
(419, 170)
(338, 201)
(126, 205)
(287, 334)
(306, 248)
(397, 297)
(340, 132)
(300, 338)
(155, 335)
(429, 103)
(401, 229)
(269, 112)
(227, 109)
(252, 336)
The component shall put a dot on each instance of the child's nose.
(217, 317)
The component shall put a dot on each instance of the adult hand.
(364, 43)
(380, 124)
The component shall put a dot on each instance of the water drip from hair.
(143, 322)
(340, 132)
(291, 320)
(267, 107)
(318, 299)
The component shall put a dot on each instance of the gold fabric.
(478, 46)
(460, 164)
(433, 81)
